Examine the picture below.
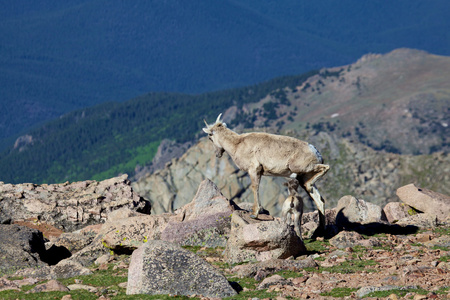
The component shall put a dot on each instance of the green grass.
(100, 278)
(289, 274)
(76, 295)
(339, 292)
(347, 267)
(250, 284)
(316, 246)
(398, 292)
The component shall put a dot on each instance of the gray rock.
(50, 286)
(273, 265)
(73, 242)
(273, 280)
(85, 287)
(66, 268)
(6, 284)
(353, 210)
(419, 220)
(425, 201)
(20, 247)
(126, 235)
(346, 239)
(253, 240)
(395, 211)
(370, 289)
(205, 221)
(160, 267)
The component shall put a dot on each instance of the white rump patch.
(316, 153)
(293, 175)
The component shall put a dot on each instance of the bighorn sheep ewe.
(293, 206)
(271, 155)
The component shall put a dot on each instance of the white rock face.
(69, 206)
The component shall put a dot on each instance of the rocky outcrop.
(20, 247)
(395, 211)
(205, 221)
(160, 267)
(254, 240)
(68, 206)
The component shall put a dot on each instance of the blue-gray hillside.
(57, 57)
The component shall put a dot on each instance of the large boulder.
(396, 211)
(253, 240)
(352, 211)
(127, 234)
(205, 221)
(425, 201)
(68, 206)
(160, 267)
(20, 248)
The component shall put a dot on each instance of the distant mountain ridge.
(398, 102)
(58, 57)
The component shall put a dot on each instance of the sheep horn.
(218, 118)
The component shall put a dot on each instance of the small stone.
(392, 297)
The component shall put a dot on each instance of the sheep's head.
(211, 130)
(292, 185)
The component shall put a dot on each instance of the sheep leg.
(255, 176)
(320, 203)
(298, 223)
(319, 171)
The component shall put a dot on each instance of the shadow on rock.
(343, 223)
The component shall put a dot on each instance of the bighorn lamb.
(293, 206)
(271, 155)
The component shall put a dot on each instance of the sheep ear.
(206, 130)
(224, 125)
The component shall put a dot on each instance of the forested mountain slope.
(398, 102)
(58, 57)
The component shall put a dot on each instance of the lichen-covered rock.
(126, 235)
(68, 206)
(426, 201)
(253, 240)
(160, 267)
(395, 211)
